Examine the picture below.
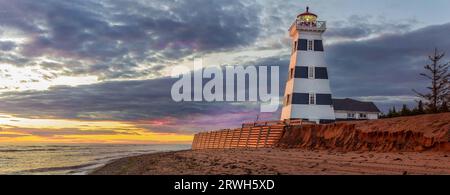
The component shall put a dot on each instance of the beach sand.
(280, 162)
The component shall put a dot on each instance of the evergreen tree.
(389, 114)
(420, 109)
(436, 72)
(394, 112)
(405, 111)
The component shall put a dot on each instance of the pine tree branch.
(426, 76)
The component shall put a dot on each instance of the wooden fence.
(251, 135)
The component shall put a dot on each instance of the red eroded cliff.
(418, 133)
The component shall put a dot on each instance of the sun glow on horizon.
(25, 130)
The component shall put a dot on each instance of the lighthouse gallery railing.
(310, 26)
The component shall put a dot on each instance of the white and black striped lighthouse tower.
(308, 95)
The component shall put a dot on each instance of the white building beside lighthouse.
(308, 95)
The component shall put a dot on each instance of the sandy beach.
(280, 162)
(416, 145)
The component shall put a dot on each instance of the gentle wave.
(66, 168)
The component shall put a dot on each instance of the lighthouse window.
(301, 72)
(318, 45)
(300, 98)
(291, 73)
(324, 99)
(321, 73)
(312, 98)
(302, 45)
(310, 45)
(311, 71)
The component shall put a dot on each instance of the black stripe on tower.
(301, 72)
(303, 99)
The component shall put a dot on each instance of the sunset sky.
(96, 71)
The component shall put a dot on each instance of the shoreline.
(100, 166)
(277, 161)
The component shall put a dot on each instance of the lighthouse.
(308, 95)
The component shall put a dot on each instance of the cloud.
(7, 45)
(357, 27)
(118, 39)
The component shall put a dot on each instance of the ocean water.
(69, 159)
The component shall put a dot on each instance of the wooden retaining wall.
(251, 135)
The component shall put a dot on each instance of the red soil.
(432, 125)
(418, 133)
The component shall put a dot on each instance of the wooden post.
(267, 136)
(218, 137)
(221, 139)
(194, 142)
(205, 141)
(233, 139)
(197, 136)
(213, 137)
(226, 139)
(239, 139)
(259, 136)
(202, 141)
(204, 136)
(214, 140)
(211, 140)
(248, 137)
(197, 139)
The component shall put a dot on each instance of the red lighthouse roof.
(307, 13)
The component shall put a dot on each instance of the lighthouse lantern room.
(308, 95)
